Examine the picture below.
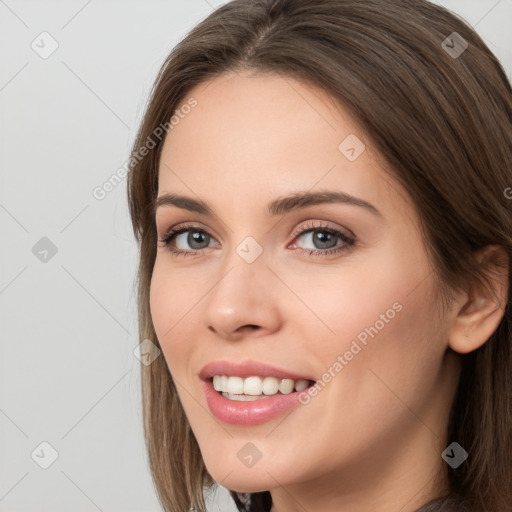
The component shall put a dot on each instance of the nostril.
(248, 326)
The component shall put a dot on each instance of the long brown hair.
(441, 120)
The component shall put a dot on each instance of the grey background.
(68, 373)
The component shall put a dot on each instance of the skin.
(371, 439)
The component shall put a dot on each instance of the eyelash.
(349, 241)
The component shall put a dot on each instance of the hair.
(442, 124)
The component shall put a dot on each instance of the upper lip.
(248, 369)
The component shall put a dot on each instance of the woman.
(325, 237)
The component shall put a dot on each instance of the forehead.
(262, 135)
(259, 115)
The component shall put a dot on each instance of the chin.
(247, 480)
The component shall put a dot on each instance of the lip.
(253, 412)
(249, 413)
(248, 369)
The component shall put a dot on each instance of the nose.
(244, 302)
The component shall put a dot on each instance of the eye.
(190, 235)
(323, 240)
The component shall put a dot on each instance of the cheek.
(377, 317)
(336, 305)
(161, 302)
(173, 294)
(170, 301)
(397, 362)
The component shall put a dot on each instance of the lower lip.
(248, 413)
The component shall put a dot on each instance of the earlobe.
(484, 303)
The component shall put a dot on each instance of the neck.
(403, 487)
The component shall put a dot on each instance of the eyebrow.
(279, 206)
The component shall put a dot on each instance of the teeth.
(301, 384)
(235, 385)
(242, 398)
(236, 388)
(270, 386)
(252, 386)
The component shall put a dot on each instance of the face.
(334, 292)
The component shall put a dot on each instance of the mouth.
(251, 393)
(254, 387)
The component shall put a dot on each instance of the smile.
(251, 392)
(254, 387)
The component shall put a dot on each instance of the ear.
(483, 305)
